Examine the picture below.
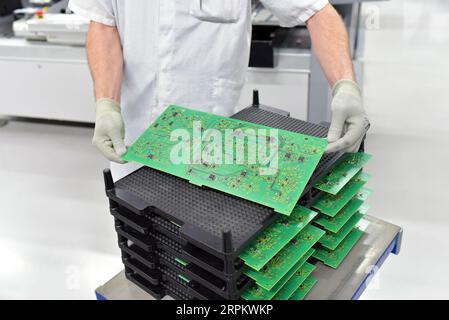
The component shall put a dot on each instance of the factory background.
(56, 236)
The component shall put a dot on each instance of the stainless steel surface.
(343, 283)
(332, 284)
(119, 288)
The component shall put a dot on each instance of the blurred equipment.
(58, 28)
(47, 48)
(41, 3)
(282, 63)
(269, 39)
(49, 21)
(7, 8)
(284, 66)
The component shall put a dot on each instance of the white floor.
(57, 240)
(407, 96)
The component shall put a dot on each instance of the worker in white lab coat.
(145, 55)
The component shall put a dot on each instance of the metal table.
(347, 282)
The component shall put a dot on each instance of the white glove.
(110, 130)
(349, 120)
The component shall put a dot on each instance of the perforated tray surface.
(199, 211)
(204, 214)
(274, 120)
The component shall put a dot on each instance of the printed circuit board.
(267, 166)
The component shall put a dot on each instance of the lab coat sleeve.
(101, 11)
(294, 12)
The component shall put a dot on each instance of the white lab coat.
(192, 53)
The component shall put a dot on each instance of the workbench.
(348, 282)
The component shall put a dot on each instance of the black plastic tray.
(157, 292)
(171, 241)
(168, 279)
(144, 252)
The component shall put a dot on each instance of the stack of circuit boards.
(205, 232)
(282, 259)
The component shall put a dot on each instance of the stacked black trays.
(182, 240)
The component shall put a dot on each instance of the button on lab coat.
(192, 53)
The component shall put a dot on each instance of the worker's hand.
(110, 130)
(349, 120)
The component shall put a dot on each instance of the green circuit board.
(293, 284)
(233, 156)
(346, 169)
(332, 240)
(304, 289)
(292, 271)
(333, 258)
(256, 292)
(331, 205)
(276, 237)
(334, 224)
(286, 259)
(364, 209)
(364, 194)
